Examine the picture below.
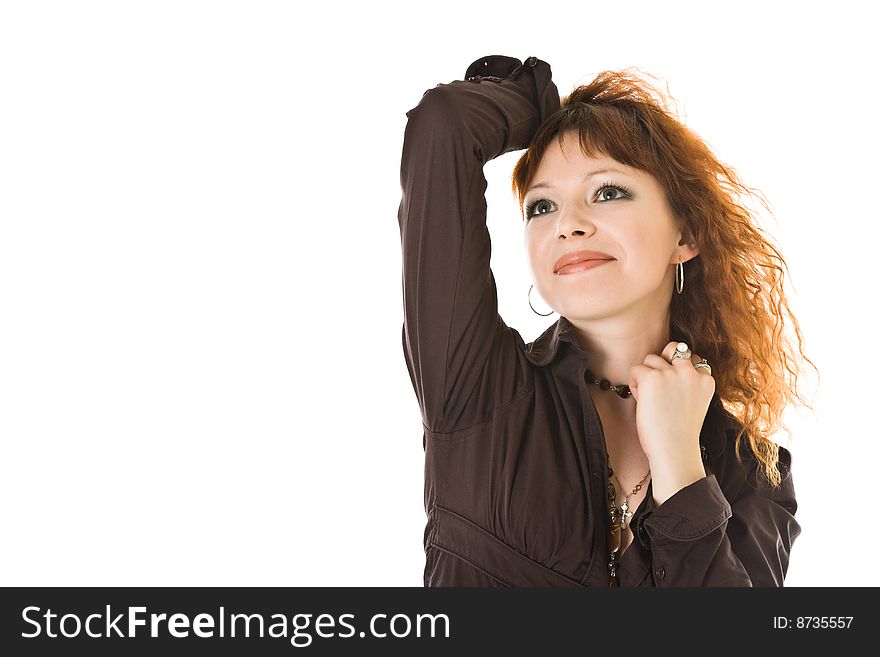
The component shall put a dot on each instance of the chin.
(586, 298)
(586, 312)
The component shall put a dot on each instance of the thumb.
(633, 386)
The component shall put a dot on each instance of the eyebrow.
(584, 178)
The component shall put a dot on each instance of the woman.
(600, 453)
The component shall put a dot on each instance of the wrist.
(492, 66)
(667, 478)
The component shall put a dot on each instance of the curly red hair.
(733, 306)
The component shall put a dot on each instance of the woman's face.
(584, 210)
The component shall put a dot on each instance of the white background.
(202, 379)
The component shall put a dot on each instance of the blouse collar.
(545, 348)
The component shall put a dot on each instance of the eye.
(624, 192)
(533, 204)
(601, 195)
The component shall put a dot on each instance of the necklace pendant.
(624, 514)
(614, 582)
(614, 540)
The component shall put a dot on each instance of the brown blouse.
(515, 460)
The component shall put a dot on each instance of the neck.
(613, 346)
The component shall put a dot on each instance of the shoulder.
(740, 465)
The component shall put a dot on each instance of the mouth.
(568, 261)
(584, 265)
(580, 260)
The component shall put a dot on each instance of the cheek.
(534, 252)
(643, 248)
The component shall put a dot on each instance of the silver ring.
(681, 351)
(703, 364)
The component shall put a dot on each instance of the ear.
(685, 252)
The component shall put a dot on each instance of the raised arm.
(460, 354)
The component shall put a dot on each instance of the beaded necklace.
(621, 389)
(618, 516)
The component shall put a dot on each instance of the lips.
(581, 255)
(585, 265)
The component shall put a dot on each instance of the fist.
(671, 404)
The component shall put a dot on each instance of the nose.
(574, 221)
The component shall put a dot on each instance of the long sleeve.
(460, 354)
(741, 536)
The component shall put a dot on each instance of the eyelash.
(621, 188)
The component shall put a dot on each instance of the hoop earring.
(679, 285)
(532, 307)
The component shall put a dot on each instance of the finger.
(656, 362)
(668, 350)
(702, 370)
(683, 362)
(636, 373)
